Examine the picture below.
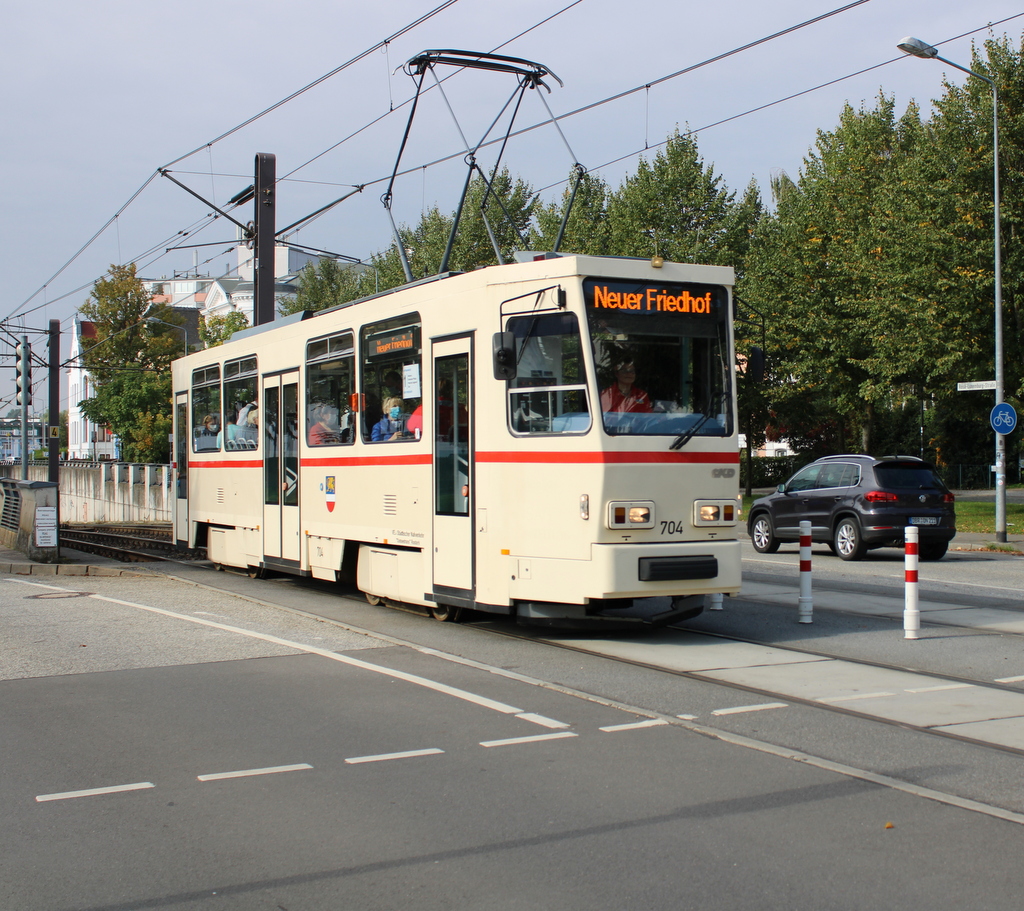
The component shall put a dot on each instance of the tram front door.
(280, 427)
(453, 540)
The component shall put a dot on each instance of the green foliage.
(587, 228)
(130, 364)
(216, 330)
(325, 284)
(674, 206)
(875, 272)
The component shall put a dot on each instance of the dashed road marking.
(1016, 679)
(936, 689)
(853, 698)
(384, 757)
(541, 720)
(93, 792)
(512, 741)
(634, 725)
(246, 773)
(739, 709)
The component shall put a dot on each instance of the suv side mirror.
(503, 350)
(756, 364)
(781, 488)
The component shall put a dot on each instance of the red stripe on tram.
(613, 458)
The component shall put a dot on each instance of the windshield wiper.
(688, 434)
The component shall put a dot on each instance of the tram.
(552, 439)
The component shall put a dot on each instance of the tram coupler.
(685, 607)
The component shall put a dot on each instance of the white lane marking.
(245, 773)
(434, 685)
(541, 720)
(739, 709)
(854, 697)
(1009, 679)
(634, 725)
(946, 686)
(92, 792)
(511, 741)
(687, 717)
(384, 757)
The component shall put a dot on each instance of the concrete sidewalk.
(73, 563)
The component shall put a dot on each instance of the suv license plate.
(924, 520)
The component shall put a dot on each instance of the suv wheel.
(847, 540)
(762, 535)
(934, 551)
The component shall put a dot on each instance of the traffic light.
(23, 366)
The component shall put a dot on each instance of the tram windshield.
(661, 354)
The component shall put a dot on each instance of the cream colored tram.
(553, 439)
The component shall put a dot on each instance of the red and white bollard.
(806, 602)
(911, 614)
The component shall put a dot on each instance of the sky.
(100, 96)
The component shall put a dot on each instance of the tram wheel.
(256, 572)
(445, 613)
(373, 599)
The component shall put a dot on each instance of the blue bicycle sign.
(1003, 418)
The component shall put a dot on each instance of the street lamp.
(182, 329)
(917, 48)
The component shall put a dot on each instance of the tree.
(674, 206)
(324, 284)
(820, 270)
(587, 228)
(509, 205)
(130, 364)
(216, 330)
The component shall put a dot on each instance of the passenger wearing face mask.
(208, 437)
(392, 425)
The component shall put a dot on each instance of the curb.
(66, 569)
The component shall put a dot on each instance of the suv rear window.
(912, 476)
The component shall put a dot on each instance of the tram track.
(919, 764)
(126, 543)
(946, 679)
(919, 679)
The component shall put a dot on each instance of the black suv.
(857, 502)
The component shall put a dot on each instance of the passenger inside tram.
(323, 425)
(207, 436)
(391, 426)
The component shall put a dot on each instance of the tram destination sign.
(978, 386)
(692, 300)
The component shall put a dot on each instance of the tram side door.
(280, 428)
(181, 438)
(453, 539)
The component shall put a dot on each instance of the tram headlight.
(631, 514)
(714, 512)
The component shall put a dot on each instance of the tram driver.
(622, 395)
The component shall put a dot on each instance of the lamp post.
(182, 329)
(917, 48)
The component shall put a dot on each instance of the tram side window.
(330, 363)
(206, 410)
(241, 405)
(549, 393)
(392, 380)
